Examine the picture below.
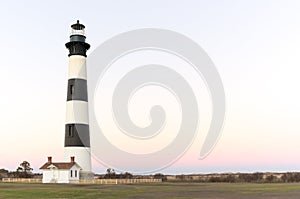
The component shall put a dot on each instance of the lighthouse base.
(86, 175)
(82, 156)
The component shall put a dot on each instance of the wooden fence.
(119, 181)
(95, 181)
(23, 180)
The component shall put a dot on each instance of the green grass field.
(162, 190)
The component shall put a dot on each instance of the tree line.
(24, 170)
(111, 174)
(244, 177)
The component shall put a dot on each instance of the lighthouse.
(77, 135)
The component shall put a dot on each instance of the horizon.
(254, 45)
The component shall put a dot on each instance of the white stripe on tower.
(77, 67)
(77, 138)
(77, 112)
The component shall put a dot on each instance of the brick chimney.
(49, 159)
(73, 159)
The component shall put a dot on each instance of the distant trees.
(125, 175)
(242, 177)
(215, 179)
(258, 177)
(271, 178)
(183, 177)
(290, 177)
(25, 167)
(160, 176)
(23, 171)
(230, 178)
(223, 178)
(3, 173)
(248, 177)
(111, 174)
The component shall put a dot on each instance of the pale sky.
(255, 46)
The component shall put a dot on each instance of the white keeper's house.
(60, 172)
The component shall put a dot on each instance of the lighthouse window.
(75, 173)
(70, 131)
(72, 89)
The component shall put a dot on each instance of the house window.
(71, 173)
(75, 173)
(70, 131)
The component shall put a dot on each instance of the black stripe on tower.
(77, 90)
(77, 135)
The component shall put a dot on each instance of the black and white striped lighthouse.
(77, 136)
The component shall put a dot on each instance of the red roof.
(59, 165)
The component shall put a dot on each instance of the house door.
(54, 175)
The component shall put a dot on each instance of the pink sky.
(255, 46)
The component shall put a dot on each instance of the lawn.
(161, 190)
